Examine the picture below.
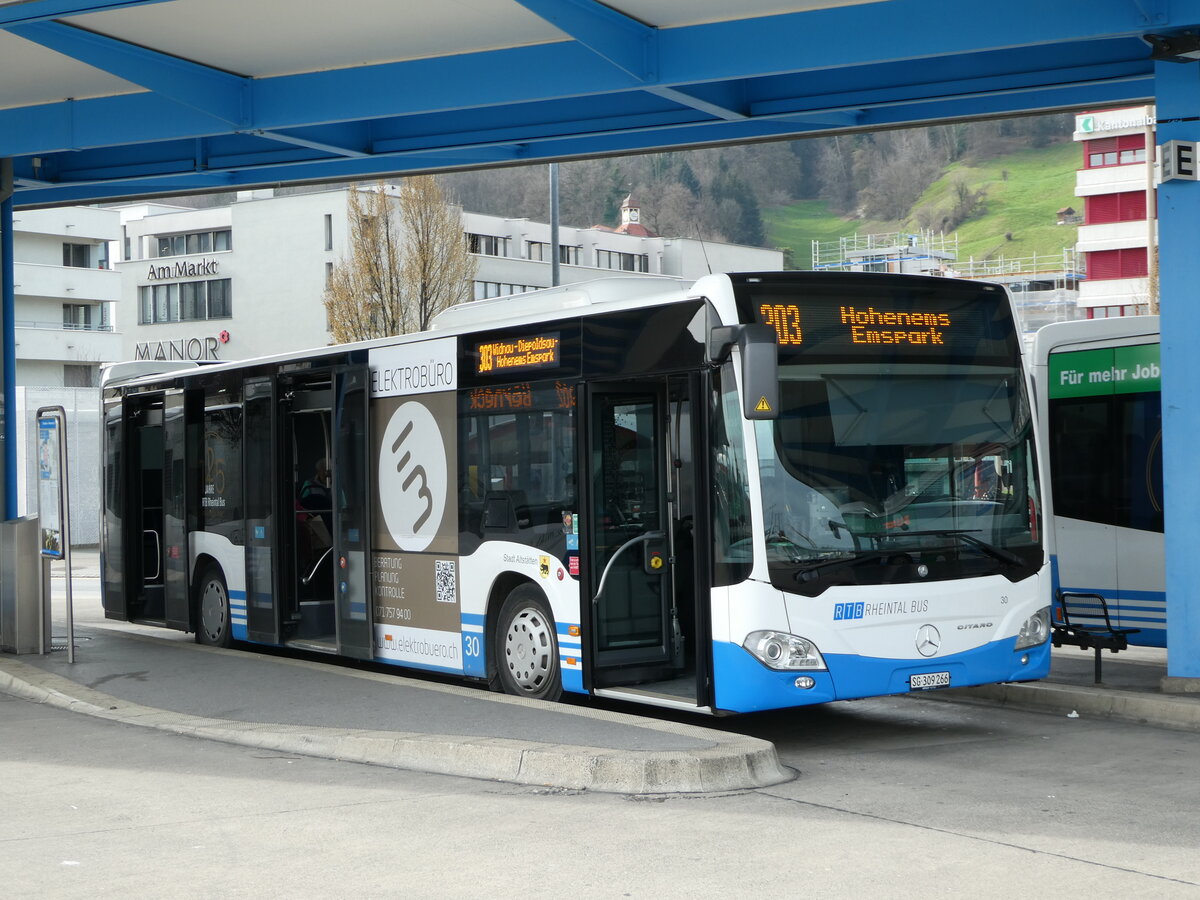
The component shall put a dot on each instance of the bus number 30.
(471, 645)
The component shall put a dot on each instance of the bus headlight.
(786, 652)
(1035, 630)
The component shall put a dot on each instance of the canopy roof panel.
(113, 99)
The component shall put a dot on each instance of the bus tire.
(526, 646)
(213, 626)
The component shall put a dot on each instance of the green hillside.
(1023, 192)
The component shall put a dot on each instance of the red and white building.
(1115, 181)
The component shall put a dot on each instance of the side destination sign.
(1096, 373)
(536, 352)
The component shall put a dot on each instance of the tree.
(407, 261)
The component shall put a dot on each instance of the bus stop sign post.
(54, 508)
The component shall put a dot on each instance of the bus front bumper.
(743, 684)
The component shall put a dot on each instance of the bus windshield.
(884, 472)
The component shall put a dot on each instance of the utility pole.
(554, 273)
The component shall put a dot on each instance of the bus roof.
(564, 299)
(577, 299)
(1092, 331)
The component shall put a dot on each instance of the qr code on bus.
(443, 582)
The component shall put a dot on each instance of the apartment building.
(1116, 182)
(247, 279)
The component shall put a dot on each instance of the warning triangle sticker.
(763, 405)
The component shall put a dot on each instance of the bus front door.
(629, 527)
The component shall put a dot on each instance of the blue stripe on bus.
(743, 684)
(572, 681)
(1113, 595)
(472, 619)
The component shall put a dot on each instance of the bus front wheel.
(212, 609)
(526, 648)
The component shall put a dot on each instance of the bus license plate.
(923, 681)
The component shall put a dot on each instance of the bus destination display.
(862, 325)
(513, 354)
(963, 324)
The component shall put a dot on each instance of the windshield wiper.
(860, 556)
(965, 536)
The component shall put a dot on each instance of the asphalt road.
(898, 797)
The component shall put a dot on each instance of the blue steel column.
(8, 367)
(1177, 89)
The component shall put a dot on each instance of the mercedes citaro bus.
(752, 491)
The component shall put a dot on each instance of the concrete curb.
(1162, 711)
(733, 763)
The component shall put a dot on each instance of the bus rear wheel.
(526, 648)
(213, 628)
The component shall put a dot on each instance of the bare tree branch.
(408, 260)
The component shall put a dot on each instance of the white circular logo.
(412, 476)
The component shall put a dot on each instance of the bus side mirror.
(759, 349)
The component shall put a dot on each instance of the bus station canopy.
(118, 99)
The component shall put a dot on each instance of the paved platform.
(161, 679)
(263, 700)
(1131, 689)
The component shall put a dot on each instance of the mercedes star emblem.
(928, 640)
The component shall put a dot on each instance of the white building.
(64, 294)
(248, 279)
(1114, 182)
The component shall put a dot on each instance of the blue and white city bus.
(749, 492)
(1098, 386)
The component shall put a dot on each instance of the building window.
(1104, 265)
(193, 242)
(328, 231)
(487, 244)
(184, 302)
(486, 289)
(623, 262)
(79, 376)
(539, 251)
(1115, 151)
(77, 316)
(1103, 209)
(77, 256)
(1108, 312)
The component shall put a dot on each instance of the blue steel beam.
(46, 10)
(274, 170)
(1178, 109)
(211, 91)
(338, 149)
(798, 42)
(625, 42)
(144, 118)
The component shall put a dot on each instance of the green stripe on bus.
(1097, 373)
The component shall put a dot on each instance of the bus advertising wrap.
(413, 457)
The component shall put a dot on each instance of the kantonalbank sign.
(1090, 124)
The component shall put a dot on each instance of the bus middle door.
(629, 528)
(351, 511)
